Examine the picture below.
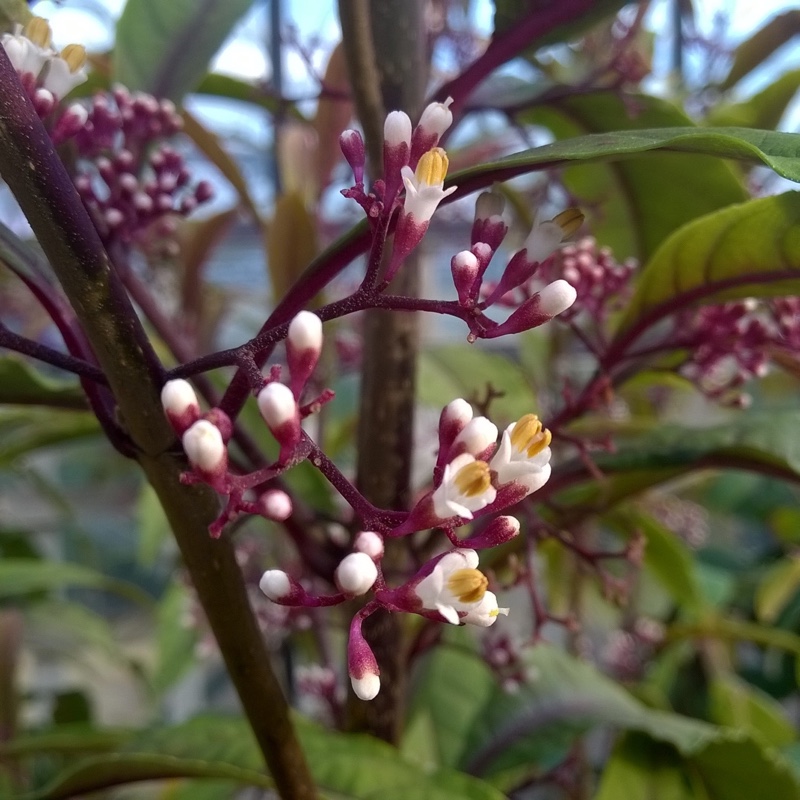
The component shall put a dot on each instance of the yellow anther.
(569, 221)
(75, 56)
(38, 31)
(529, 437)
(468, 585)
(432, 167)
(473, 479)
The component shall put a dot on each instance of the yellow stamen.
(529, 437)
(473, 479)
(38, 31)
(432, 167)
(569, 221)
(468, 585)
(75, 56)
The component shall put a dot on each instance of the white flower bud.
(458, 410)
(275, 584)
(356, 573)
(178, 397)
(276, 404)
(556, 297)
(367, 686)
(478, 434)
(437, 117)
(370, 543)
(204, 446)
(276, 504)
(305, 331)
(397, 129)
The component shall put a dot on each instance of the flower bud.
(275, 584)
(476, 438)
(499, 531)
(352, 146)
(435, 120)
(361, 663)
(279, 410)
(180, 404)
(556, 298)
(275, 504)
(465, 269)
(356, 574)
(204, 448)
(303, 346)
(370, 543)
(397, 129)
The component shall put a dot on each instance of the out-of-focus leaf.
(164, 48)
(641, 769)
(735, 630)
(465, 371)
(761, 45)
(210, 146)
(777, 588)
(764, 109)
(24, 431)
(13, 12)
(633, 205)
(333, 115)
(236, 89)
(152, 526)
(22, 576)
(175, 638)
(750, 249)
(291, 243)
(785, 523)
(736, 704)
(21, 383)
(508, 13)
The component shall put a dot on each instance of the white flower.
(524, 454)
(29, 48)
(454, 585)
(556, 298)
(545, 237)
(485, 613)
(65, 71)
(466, 487)
(275, 584)
(356, 573)
(424, 187)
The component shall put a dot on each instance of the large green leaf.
(764, 109)
(750, 249)
(348, 767)
(23, 576)
(633, 205)
(25, 430)
(164, 48)
(21, 383)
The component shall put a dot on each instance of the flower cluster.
(130, 183)
(47, 75)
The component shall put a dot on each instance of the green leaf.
(463, 370)
(25, 430)
(761, 45)
(175, 640)
(164, 48)
(13, 12)
(641, 769)
(236, 89)
(777, 588)
(750, 249)
(21, 383)
(736, 704)
(764, 109)
(152, 526)
(22, 576)
(633, 205)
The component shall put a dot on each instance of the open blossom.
(425, 185)
(456, 585)
(523, 456)
(466, 487)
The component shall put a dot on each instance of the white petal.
(449, 613)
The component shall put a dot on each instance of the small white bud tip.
(477, 435)
(204, 446)
(305, 331)
(458, 410)
(356, 574)
(178, 397)
(276, 404)
(556, 297)
(276, 504)
(367, 686)
(397, 128)
(437, 117)
(370, 543)
(275, 584)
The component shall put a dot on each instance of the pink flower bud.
(303, 346)
(396, 151)
(361, 664)
(205, 449)
(356, 574)
(556, 298)
(180, 404)
(454, 417)
(275, 504)
(465, 269)
(370, 543)
(499, 531)
(352, 146)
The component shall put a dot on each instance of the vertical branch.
(38, 179)
(393, 28)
